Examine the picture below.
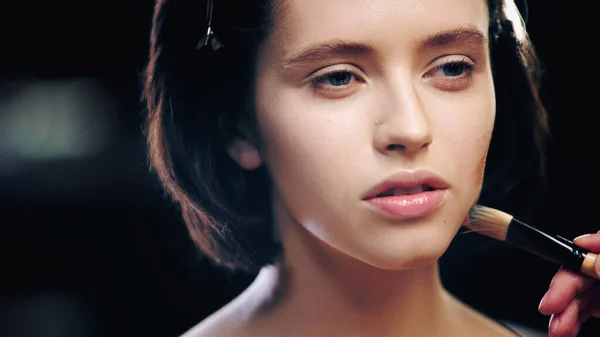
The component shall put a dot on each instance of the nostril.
(395, 147)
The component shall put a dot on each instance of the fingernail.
(542, 301)
(554, 322)
(581, 237)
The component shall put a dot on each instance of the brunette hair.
(197, 100)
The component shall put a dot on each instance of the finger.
(564, 287)
(590, 303)
(590, 242)
(566, 323)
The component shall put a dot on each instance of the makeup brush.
(504, 227)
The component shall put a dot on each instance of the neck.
(317, 289)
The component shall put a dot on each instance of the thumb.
(591, 242)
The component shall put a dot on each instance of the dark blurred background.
(89, 245)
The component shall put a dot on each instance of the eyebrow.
(340, 48)
(327, 50)
(448, 37)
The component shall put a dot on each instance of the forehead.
(376, 22)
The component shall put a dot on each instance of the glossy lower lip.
(408, 206)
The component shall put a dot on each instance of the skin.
(572, 298)
(325, 147)
(347, 269)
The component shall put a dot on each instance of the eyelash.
(449, 83)
(331, 90)
(453, 83)
(468, 70)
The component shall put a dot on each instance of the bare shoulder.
(220, 324)
(526, 331)
(236, 319)
(243, 316)
(482, 325)
(493, 328)
(504, 329)
(209, 328)
(500, 328)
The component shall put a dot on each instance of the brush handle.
(589, 258)
(552, 248)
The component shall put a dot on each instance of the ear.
(244, 154)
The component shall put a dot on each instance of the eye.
(453, 69)
(338, 83)
(336, 79)
(452, 74)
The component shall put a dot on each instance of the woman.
(337, 146)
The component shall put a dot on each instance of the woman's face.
(353, 93)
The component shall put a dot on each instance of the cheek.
(481, 169)
(477, 145)
(298, 144)
(307, 157)
(485, 142)
(304, 136)
(464, 136)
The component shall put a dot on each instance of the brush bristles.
(489, 222)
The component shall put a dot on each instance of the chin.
(407, 250)
(405, 262)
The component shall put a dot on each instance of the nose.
(404, 126)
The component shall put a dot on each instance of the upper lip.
(408, 179)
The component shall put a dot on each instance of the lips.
(407, 195)
(407, 183)
(396, 191)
